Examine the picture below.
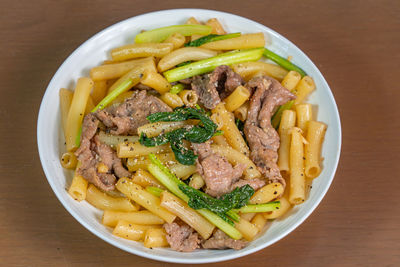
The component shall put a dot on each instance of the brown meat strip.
(220, 240)
(262, 137)
(182, 237)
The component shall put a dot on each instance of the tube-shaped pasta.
(172, 100)
(297, 178)
(187, 214)
(157, 128)
(241, 112)
(78, 188)
(176, 39)
(248, 216)
(259, 221)
(315, 135)
(131, 231)
(144, 178)
(267, 193)
(219, 140)
(196, 181)
(235, 157)
(136, 193)
(304, 114)
(116, 70)
(77, 111)
(104, 201)
(182, 171)
(231, 132)
(141, 50)
(245, 41)
(189, 97)
(182, 55)
(114, 140)
(287, 123)
(291, 80)
(134, 74)
(248, 230)
(99, 91)
(68, 160)
(111, 218)
(65, 103)
(155, 81)
(285, 206)
(303, 89)
(130, 150)
(141, 162)
(89, 105)
(155, 237)
(237, 98)
(249, 69)
(216, 27)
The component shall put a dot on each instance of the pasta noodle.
(259, 221)
(103, 201)
(141, 50)
(155, 237)
(172, 100)
(189, 97)
(131, 231)
(187, 214)
(291, 80)
(155, 81)
(144, 178)
(304, 114)
(157, 128)
(76, 111)
(116, 70)
(78, 187)
(182, 55)
(114, 140)
(65, 103)
(297, 179)
(247, 229)
(245, 41)
(231, 132)
(196, 181)
(315, 135)
(241, 112)
(267, 193)
(176, 39)
(249, 69)
(99, 91)
(130, 150)
(182, 171)
(143, 217)
(304, 88)
(237, 98)
(143, 198)
(287, 123)
(285, 206)
(68, 160)
(215, 26)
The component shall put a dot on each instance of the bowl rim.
(132, 250)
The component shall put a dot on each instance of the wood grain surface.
(356, 46)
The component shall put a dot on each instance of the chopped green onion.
(209, 64)
(154, 190)
(276, 118)
(160, 34)
(270, 206)
(177, 88)
(212, 38)
(283, 62)
(124, 86)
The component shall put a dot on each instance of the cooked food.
(186, 140)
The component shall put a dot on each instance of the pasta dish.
(191, 137)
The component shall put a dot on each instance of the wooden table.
(355, 44)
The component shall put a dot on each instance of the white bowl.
(95, 50)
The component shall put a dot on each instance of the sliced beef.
(217, 85)
(220, 240)
(181, 237)
(92, 152)
(127, 117)
(262, 137)
(219, 175)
